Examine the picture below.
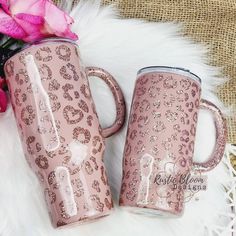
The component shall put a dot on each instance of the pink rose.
(31, 20)
(3, 96)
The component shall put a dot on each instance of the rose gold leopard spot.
(153, 91)
(38, 147)
(45, 72)
(63, 52)
(103, 175)
(72, 115)
(22, 57)
(181, 96)
(185, 136)
(133, 118)
(197, 103)
(28, 115)
(51, 154)
(141, 91)
(159, 126)
(170, 82)
(169, 99)
(177, 127)
(93, 159)
(97, 145)
(127, 149)
(109, 204)
(196, 87)
(143, 121)
(193, 93)
(133, 134)
(84, 89)
(83, 105)
(183, 149)
(88, 168)
(155, 150)
(64, 74)
(167, 144)
(76, 93)
(153, 139)
(63, 211)
(52, 180)
(89, 120)
(190, 106)
(97, 203)
(78, 187)
(143, 80)
(20, 98)
(42, 162)
(68, 72)
(157, 104)
(195, 115)
(44, 54)
(82, 135)
(73, 171)
(191, 146)
(171, 116)
(21, 77)
(130, 195)
(66, 160)
(53, 85)
(66, 88)
(9, 68)
(55, 104)
(182, 162)
(144, 106)
(29, 141)
(132, 184)
(96, 186)
(193, 130)
(135, 105)
(185, 84)
(108, 193)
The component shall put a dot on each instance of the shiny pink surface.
(160, 141)
(60, 130)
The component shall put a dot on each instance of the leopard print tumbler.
(160, 140)
(59, 128)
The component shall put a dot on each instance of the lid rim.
(182, 71)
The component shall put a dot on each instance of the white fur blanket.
(122, 47)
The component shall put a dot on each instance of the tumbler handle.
(221, 133)
(118, 96)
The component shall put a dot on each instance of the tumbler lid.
(176, 70)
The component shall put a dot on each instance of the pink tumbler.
(60, 130)
(160, 140)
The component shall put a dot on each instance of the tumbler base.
(151, 212)
(91, 219)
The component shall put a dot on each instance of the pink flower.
(3, 101)
(31, 20)
(3, 96)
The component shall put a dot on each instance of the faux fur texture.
(122, 47)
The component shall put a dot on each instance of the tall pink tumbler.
(59, 128)
(160, 140)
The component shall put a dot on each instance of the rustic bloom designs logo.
(189, 182)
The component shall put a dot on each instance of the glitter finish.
(60, 131)
(160, 140)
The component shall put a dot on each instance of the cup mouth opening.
(52, 39)
(168, 69)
